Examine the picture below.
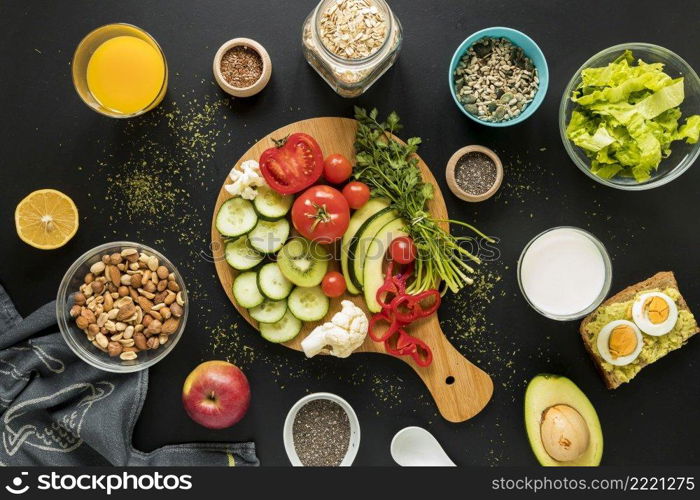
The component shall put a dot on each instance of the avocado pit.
(564, 433)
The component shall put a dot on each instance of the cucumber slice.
(271, 205)
(236, 217)
(270, 311)
(269, 236)
(245, 290)
(283, 330)
(308, 304)
(241, 256)
(272, 282)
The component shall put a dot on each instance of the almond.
(126, 311)
(145, 304)
(170, 326)
(176, 309)
(114, 275)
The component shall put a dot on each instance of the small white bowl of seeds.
(122, 307)
(321, 430)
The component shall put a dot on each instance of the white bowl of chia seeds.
(321, 430)
(498, 77)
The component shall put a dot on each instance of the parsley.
(390, 169)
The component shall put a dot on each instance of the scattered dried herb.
(241, 66)
(321, 433)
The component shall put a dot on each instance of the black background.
(50, 139)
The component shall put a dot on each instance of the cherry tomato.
(333, 284)
(337, 169)
(403, 250)
(295, 163)
(357, 194)
(321, 214)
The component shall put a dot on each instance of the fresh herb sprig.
(390, 169)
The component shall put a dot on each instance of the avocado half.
(548, 392)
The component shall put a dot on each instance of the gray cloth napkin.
(55, 409)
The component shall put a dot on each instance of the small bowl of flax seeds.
(321, 430)
(242, 67)
(474, 173)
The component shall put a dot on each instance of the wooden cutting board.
(460, 389)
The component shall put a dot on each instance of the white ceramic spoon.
(416, 447)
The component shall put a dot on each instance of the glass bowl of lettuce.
(630, 116)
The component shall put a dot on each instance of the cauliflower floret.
(245, 179)
(341, 336)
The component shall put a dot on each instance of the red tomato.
(403, 250)
(321, 214)
(294, 164)
(337, 169)
(333, 284)
(357, 194)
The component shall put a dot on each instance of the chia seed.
(475, 173)
(321, 433)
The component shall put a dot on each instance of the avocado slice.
(361, 241)
(366, 211)
(561, 423)
(373, 274)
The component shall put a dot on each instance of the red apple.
(216, 394)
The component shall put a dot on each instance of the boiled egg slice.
(655, 313)
(620, 342)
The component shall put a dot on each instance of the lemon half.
(46, 219)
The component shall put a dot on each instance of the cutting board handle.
(460, 389)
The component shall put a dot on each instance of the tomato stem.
(321, 215)
(279, 143)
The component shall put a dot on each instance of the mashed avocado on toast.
(620, 307)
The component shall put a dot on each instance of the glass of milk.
(564, 273)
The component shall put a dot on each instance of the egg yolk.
(622, 342)
(656, 310)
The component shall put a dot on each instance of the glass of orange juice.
(119, 70)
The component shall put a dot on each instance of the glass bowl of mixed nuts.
(122, 307)
(498, 77)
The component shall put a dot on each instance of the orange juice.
(126, 74)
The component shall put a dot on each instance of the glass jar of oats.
(351, 43)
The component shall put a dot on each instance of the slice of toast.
(662, 281)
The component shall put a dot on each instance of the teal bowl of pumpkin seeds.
(498, 77)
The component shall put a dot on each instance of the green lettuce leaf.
(627, 116)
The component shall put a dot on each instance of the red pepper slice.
(394, 285)
(379, 317)
(401, 343)
(420, 298)
(422, 355)
(409, 308)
